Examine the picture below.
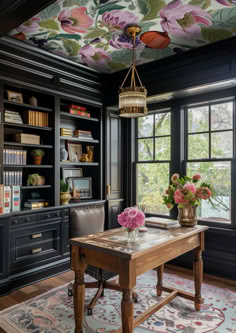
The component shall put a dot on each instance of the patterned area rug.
(52, 312)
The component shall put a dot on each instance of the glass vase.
(132, 235)
(187, 216)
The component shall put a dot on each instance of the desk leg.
(198, 272)
(160, 271)
(127, 311)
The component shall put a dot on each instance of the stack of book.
(15, 157)
(36, 118)
(9, 199)
(12, 178)
(83, 134)
(158, 222)
(36, 203)
(12, 117)
(66, 132)
(78, 110)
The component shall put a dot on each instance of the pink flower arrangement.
(184, 191)
(131, 218)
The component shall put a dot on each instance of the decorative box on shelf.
(27, 138)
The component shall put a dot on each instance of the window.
(153, 161)
(209, 138)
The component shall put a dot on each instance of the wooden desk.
(109, 250)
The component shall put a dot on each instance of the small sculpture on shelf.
(84, 158)
(64, 192)
(35, 180)
(37, 155)
(90, 151)
(33, 101)
(63, 153)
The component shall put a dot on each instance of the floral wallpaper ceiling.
(91, 32)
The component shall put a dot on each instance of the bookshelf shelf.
(17, 144)
(70, 138)
(23, 105)
(64, 164)
(35, 187)
(28, 166)
(29, 126)
(69, 115)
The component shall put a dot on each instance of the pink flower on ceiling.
(29, 26)
(75, 20)
(118, 20)
(183, 20)
(95, 57)
(227, 2)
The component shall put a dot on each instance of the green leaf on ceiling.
(108, 8)
(224, 17)
(71, 46)
(49, 24)
(66, 36)
(124, 56)
(116, 66)
(156, 54)
(143, 8)
(154, 7)
(207, 4)
(196, 3)
(95, 33)
(146, 26)
(50, 11)
(213, 35)
(70, 3)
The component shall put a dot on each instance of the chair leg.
(95, 299)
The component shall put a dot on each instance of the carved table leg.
(160, 271)
(198, 272)
(127, 311)
(79, 288)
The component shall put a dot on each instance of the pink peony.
(118, 19)
(178, 196)
(203, 193)
(183, 20)
(197, 176)
(190, 187)
(131, 218)
(228, 3)
(75, 20)
(174, 177)
(29, 26)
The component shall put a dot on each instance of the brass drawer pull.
(37, 236)
(36, 250)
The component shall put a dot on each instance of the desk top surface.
(115, 241)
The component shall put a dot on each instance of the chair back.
(86, 220)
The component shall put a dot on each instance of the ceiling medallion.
(133, 99)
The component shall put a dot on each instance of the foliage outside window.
(153, 161)
(210, 152)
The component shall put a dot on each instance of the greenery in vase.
(64, 186)
(37, 152)
(34, 179)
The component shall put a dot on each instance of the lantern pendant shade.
(133, 99)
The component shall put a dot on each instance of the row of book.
(36, 118)
(14, 156)
(9, 199)
(12, 117)
(12, 178)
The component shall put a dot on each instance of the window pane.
(145, 149)
(152, 181)
(198, 119)
(222, 144)
(218, 174)
(162, 146)
(162, 124)
(222, 116)
(145, 126)
(198, 146)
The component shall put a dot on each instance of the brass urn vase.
(187, 216)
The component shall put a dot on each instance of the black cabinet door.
(115, 207)
(4, 248)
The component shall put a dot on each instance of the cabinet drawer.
(14, 221)
(33, 238)
(33, 251)
(49, 216)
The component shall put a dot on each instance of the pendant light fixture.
(133, 99)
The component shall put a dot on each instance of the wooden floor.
(36, 289)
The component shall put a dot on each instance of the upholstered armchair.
(84, 221)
